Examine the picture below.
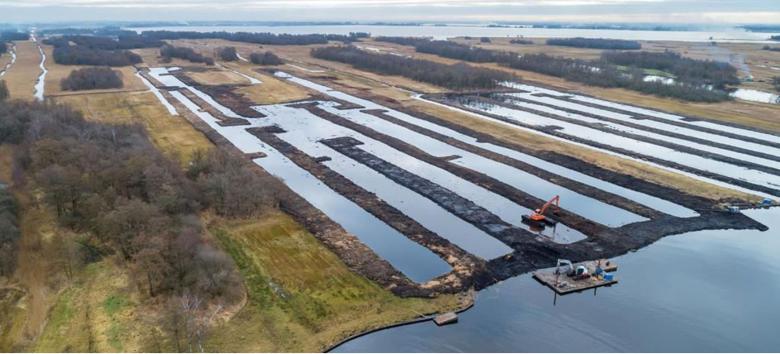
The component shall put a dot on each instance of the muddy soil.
(465, 267)
(224, 94)
(578, 187)
(356, 255)
(508, 99)
(554, 131)
(204, 106)
(681, 124)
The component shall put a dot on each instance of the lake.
(709, 291)
(443, 32)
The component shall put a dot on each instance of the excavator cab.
(538, 218)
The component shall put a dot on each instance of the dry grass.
(746, 113)
(58, 72)
(100, 312)
(500, 131)
(609, 162)
(173, 135)
(21, 77)
(273, 91)
(301, 296)
(217, 77)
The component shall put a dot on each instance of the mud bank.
(634, 136)
(224, 120)
(555, 131)
(224, 94)
(731, 147)
(681, 123)
(578, 187)
(357, 256)
(465, 267)
(574, 221)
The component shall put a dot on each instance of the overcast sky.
(668, 11)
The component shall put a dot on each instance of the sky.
(660, 11)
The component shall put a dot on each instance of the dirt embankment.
(555, 131)
(465, 267)
(637, 137)
(204, 106)
(688, 118)
(646, 128)
(224, 94)
(578, 187)
(356, 255)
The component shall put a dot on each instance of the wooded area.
(257, 38)
(14, 36)
(228, 54)
(265, 58)
(458, 76)
(595, 43)
(687, 70)
(9, 232)
(111, 187)
(92, 79)
(695, 80)
(186, 53)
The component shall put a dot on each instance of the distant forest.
(92, 79)
(98, 51)
(596, 43)
(169, 51)
(256, 38)
(265, 58)
(613, 69)
(228, 54)
(14, 36)
(458, 76)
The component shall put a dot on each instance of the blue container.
(609, 277)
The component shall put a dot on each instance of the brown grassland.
(21, 77)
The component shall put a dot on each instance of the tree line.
(604, 74)
(168, 51)
(774, 49)
(122, 41)
(695, 80)
(8, 36)
(9, 232)
(595, 43)
(265, 58)
(459, 76)
(92, 79)
(255, 38)
(109, 185)
(691, 71)
(88, 50)
(227, 54)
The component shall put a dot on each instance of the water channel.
(711, 291)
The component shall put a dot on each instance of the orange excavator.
(538, 218)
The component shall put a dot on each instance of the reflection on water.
(701, 291)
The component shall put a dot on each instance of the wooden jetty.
(563, 284)
(445, 319)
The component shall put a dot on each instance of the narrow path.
(39, 85)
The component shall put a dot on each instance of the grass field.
(58, 72)
(742, 112)
(173, 135)
(217, 77)
(21, 77)
(301, 296)
(99, 313)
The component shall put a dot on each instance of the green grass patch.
(301, 297)
(115, 303)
